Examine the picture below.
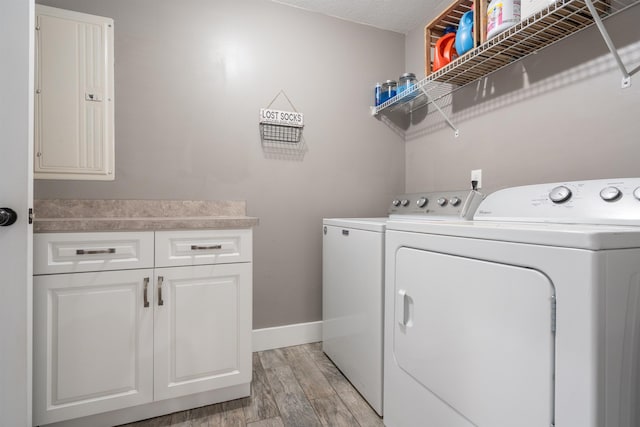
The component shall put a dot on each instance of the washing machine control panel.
(446, 204)
(602, 201)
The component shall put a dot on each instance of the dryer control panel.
(602, 201)
(446, 204)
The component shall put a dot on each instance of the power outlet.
(476, 175)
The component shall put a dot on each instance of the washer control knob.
(396, 203)
(610, 194)
(560, 194)
(422, 202)
(454, 201)
(636, 193)
(441, 201)
(404, 202)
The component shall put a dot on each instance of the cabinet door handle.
(146, 290)
(95, 252)
(160, 300)
(200, 248)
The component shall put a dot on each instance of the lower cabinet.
(109, 340)
(93, 344)
(201, 335)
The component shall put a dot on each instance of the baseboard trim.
(287, 335)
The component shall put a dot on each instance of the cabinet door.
(93, 343)
(74, 104)
(202, 334)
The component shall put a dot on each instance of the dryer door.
(478, 335)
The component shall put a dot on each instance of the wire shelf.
(546, 27)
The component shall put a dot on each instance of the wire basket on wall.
(280, 133)
(281, 126)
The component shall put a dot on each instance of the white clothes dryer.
(353, 284)
(528, 316)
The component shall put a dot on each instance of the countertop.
(58, 215)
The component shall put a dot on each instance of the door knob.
(7, 217)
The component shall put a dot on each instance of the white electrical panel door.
(74, 105)
(477, 335)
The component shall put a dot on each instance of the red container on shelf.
(445, 51)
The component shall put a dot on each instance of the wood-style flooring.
(291, 387)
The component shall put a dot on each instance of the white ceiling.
(396, 15)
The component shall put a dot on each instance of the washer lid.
(366, 224)
(579, 236)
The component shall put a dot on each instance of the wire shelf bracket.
(626, 77)
(456, 132)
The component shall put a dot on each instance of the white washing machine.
(353, 284)
(528, 316)
(352, 301)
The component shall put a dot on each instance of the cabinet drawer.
(197, 247)
(81, 252)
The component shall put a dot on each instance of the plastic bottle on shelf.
(377, 94)
(502, 14)
(445, 51)
(529, 7)
(464, 36)
(449, 29)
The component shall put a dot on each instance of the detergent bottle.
(464, 36)
(445, 51)
(502, 14)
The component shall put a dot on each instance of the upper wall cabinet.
(74, 104)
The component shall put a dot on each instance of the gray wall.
(555, 116)
(190, 79)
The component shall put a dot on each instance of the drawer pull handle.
(146, 296)
(96, 251)
(160, 300)
(200, 248)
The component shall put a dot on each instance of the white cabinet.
(203, 312)
(74, 102)
(202, 329)
(106, 340)
(93, 341)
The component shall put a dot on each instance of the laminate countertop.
(65, 215)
